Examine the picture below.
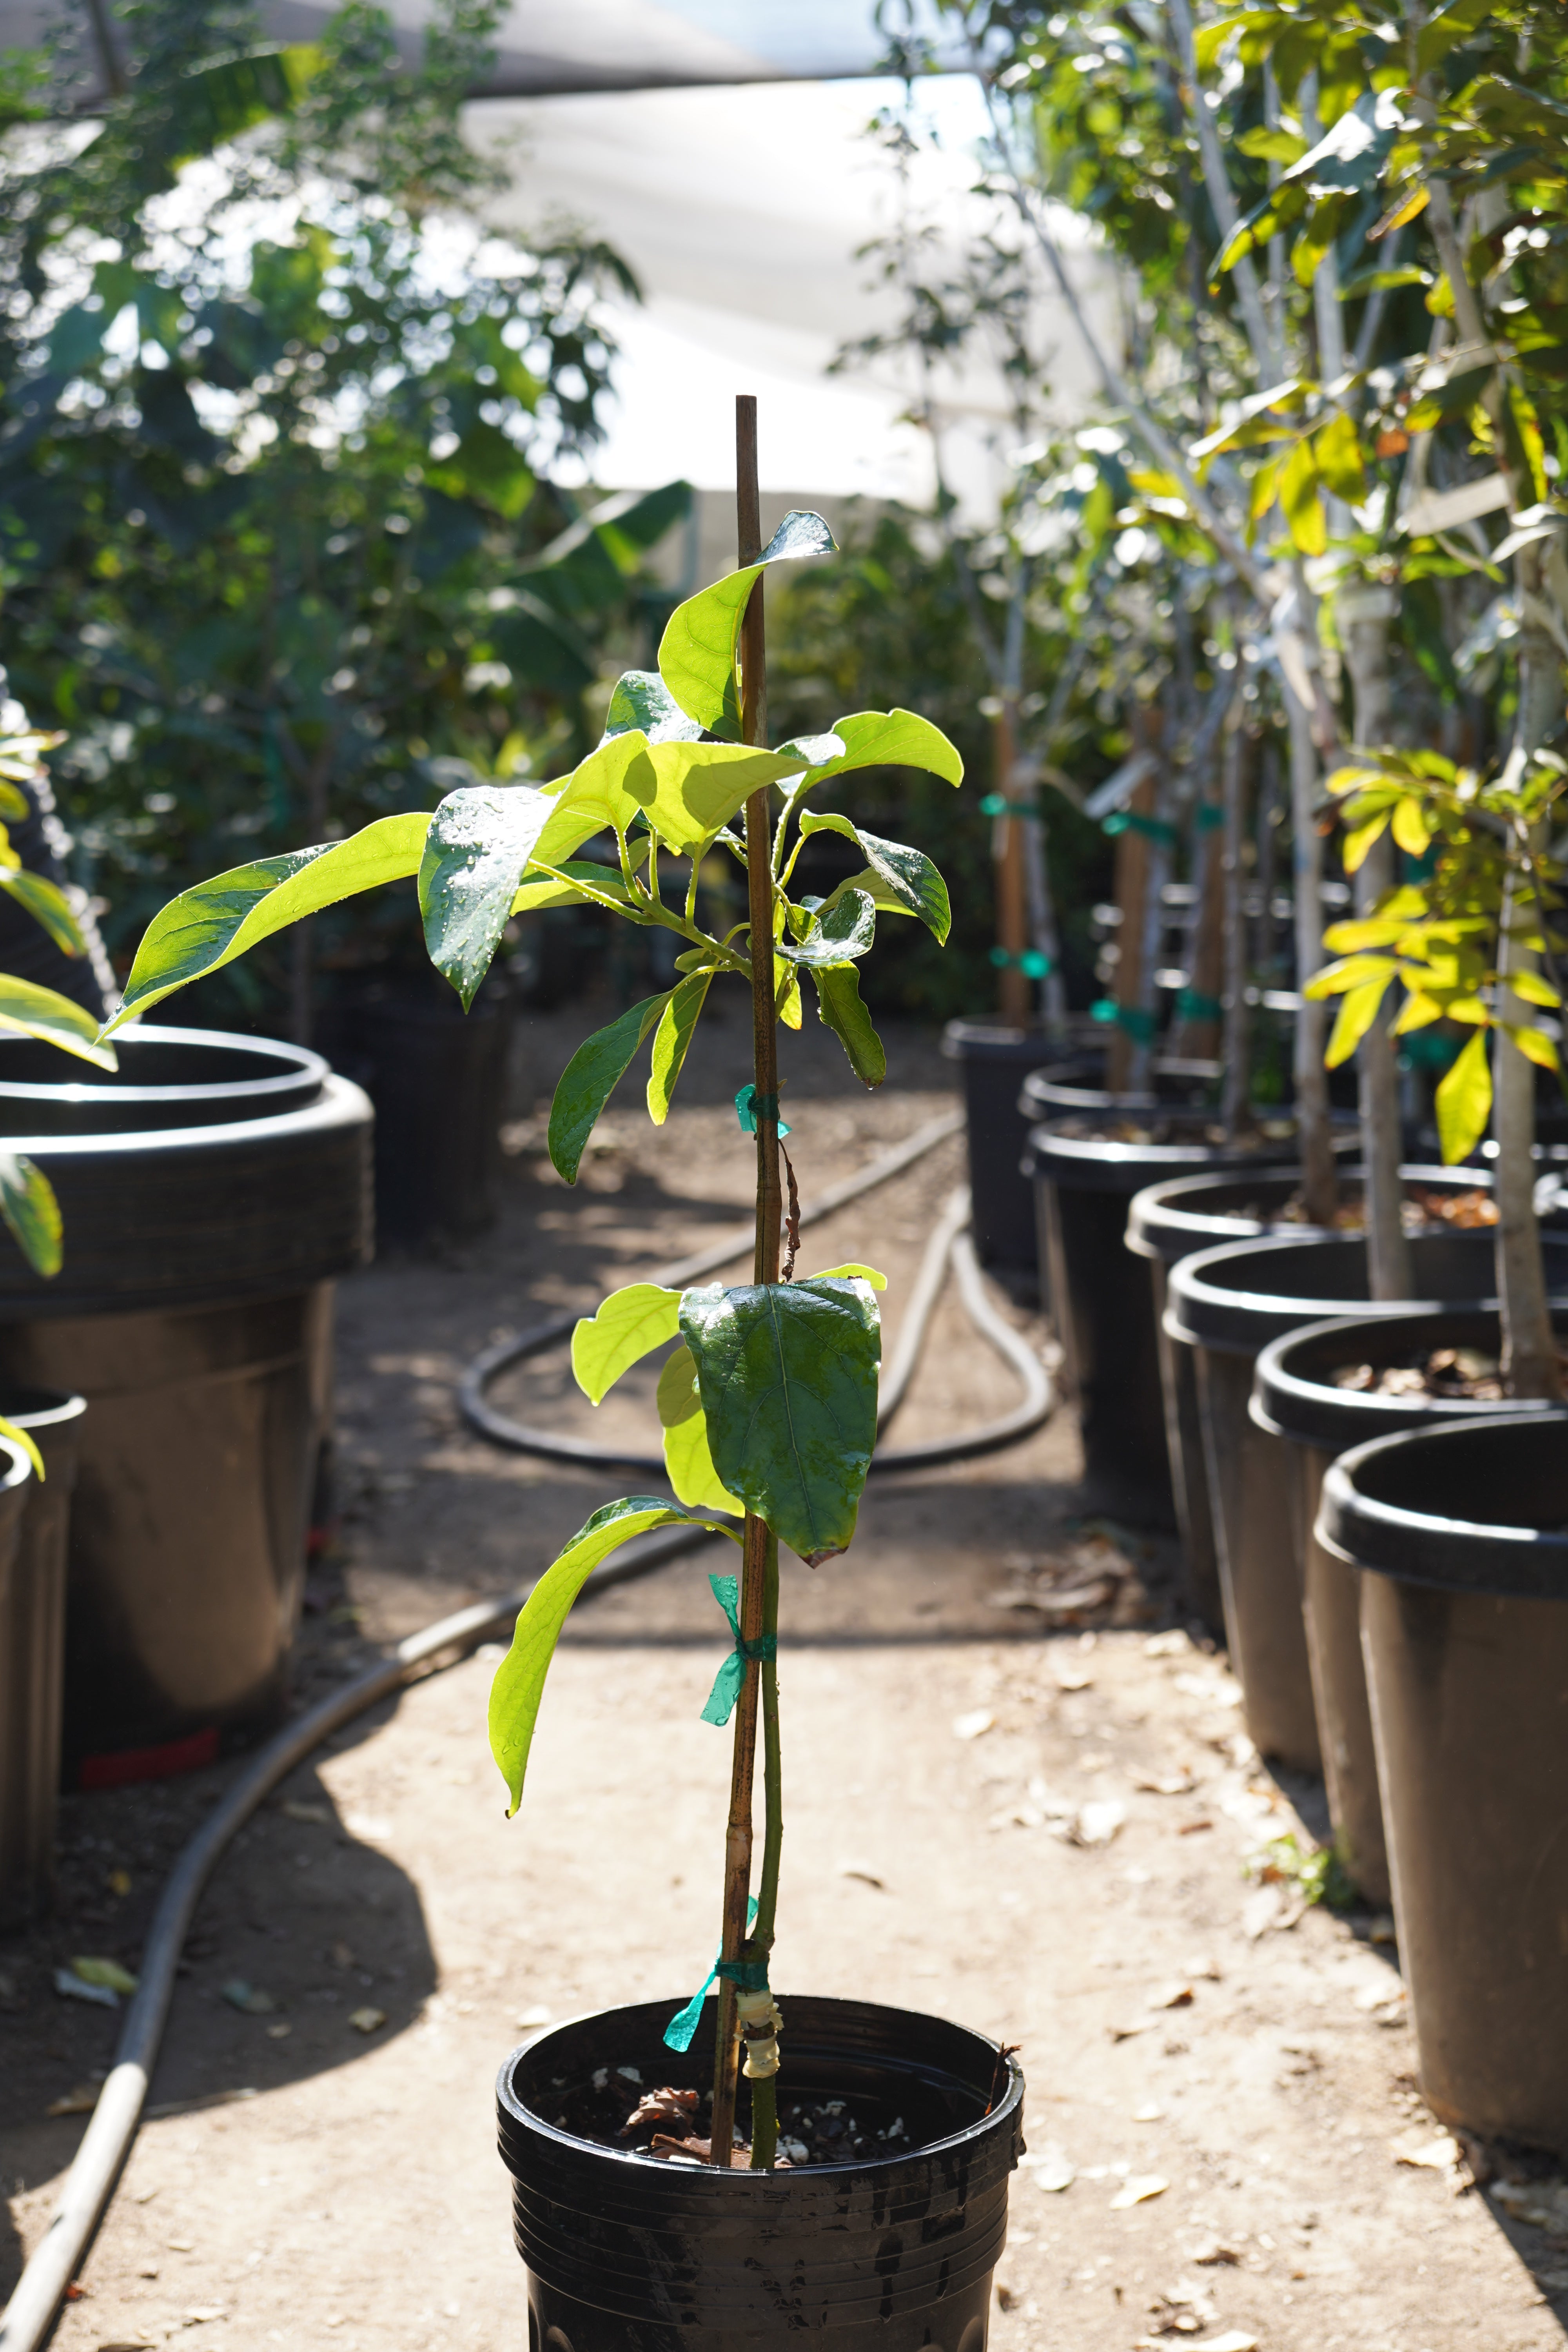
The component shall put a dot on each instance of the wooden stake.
(1132, 891)
(769, 1204)
(1012, 890)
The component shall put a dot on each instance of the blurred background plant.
(279, 540)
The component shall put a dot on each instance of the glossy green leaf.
(590, 1078)
(1410, 828)
(839, 1002)
(845, 930)
(686, 791)
(594, 798)
(671, 1038)
(579, 882)
(519, 1685)
(787, 1374)
(625, 1328)
(877, 1280)
(642, 702)
(1533, 1043)
(889, 738)
(698, 653)
(1360, 839)
(31, 1212)
(15, 805)
(1464, 1100)
(1300, 495)
(207, 927)
(688, 1462)
(1337, 448)
(37, 1012)
(1358, 1010)
(908, 879)
(480, 839)
(48, 905)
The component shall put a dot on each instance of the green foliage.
(787, 1375)
(696, 655)
(30, 1208)
(519, 1684)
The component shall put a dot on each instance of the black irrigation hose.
(28, 2319)
(949, 1245)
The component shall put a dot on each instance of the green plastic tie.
(680, 2033)
(1152, 828)
(998, 804)
(731, 1674)
(1210, 815)
(1136, 1018)
(750, 1106)
(1192, 1005)
(1031, 962)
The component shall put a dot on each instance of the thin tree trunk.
(1363, 615)
(1318, 1184)
(1132, 890)
(1236, 1109)
(1007, 854)
(757, 1548)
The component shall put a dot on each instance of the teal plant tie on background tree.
(768, 1402)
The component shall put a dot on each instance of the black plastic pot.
(1296, 1397)
(1168, 1222)
(1461, 1536)
(995, 1062)
(32, 1649)
(438, 1078)
(624, 2251)
(211, 1191)
(1084, 1186)
(1228, 1304)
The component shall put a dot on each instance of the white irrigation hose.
(28, 2319)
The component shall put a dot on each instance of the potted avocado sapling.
(1452, 1525)
(684, 2185)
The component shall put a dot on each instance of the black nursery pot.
(625, 2253)
(1084, 1186)
(212, 1189)
(995, 1062)
(1461, 1537)
(1296, 1397)
(1228, 1304)
(1170, 1222)
(32, 1648)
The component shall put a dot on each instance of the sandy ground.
(1043, 1829)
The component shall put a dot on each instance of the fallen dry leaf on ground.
(1419, 2147)
(367, 2019)
(1138, 2191)
(971, 1725)
(1052, 2172)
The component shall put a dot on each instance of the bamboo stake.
(755, 1576)
(1007, 854)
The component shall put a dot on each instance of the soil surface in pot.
(670, 2121)
(1160, 1131)
(1019, 1797)
(1469, 1373)
(1423, 1210)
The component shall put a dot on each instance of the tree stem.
(759, 1544)
(765, 2101)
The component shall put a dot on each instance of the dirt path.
(1039, 1830)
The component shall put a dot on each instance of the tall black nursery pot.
(994, 1061)
(1228, 1304)
(212, 1189)
(1084, 1186)
(436, 1076)
(1461, 1538)
(32, 1647)
(628, 2254)
(1169, 1222)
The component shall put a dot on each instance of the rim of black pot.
(1223, 1298)
(750, 2182)
(338, 1102)
(32, 1407)
(1104, 1164)
(19, 1469)
(1505, 1560)
(299, 1075)
(1161, 1224)
(1293, 1395)
(998, 1041)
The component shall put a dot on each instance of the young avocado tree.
(1463, 944)
(769, 1402)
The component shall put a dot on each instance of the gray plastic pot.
(893, 2254)
(1460, 1535)
(1228, 1304)
(211, 1190)
(1295, 1396)
(1170, 1222)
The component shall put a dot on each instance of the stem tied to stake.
(758, 1577)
